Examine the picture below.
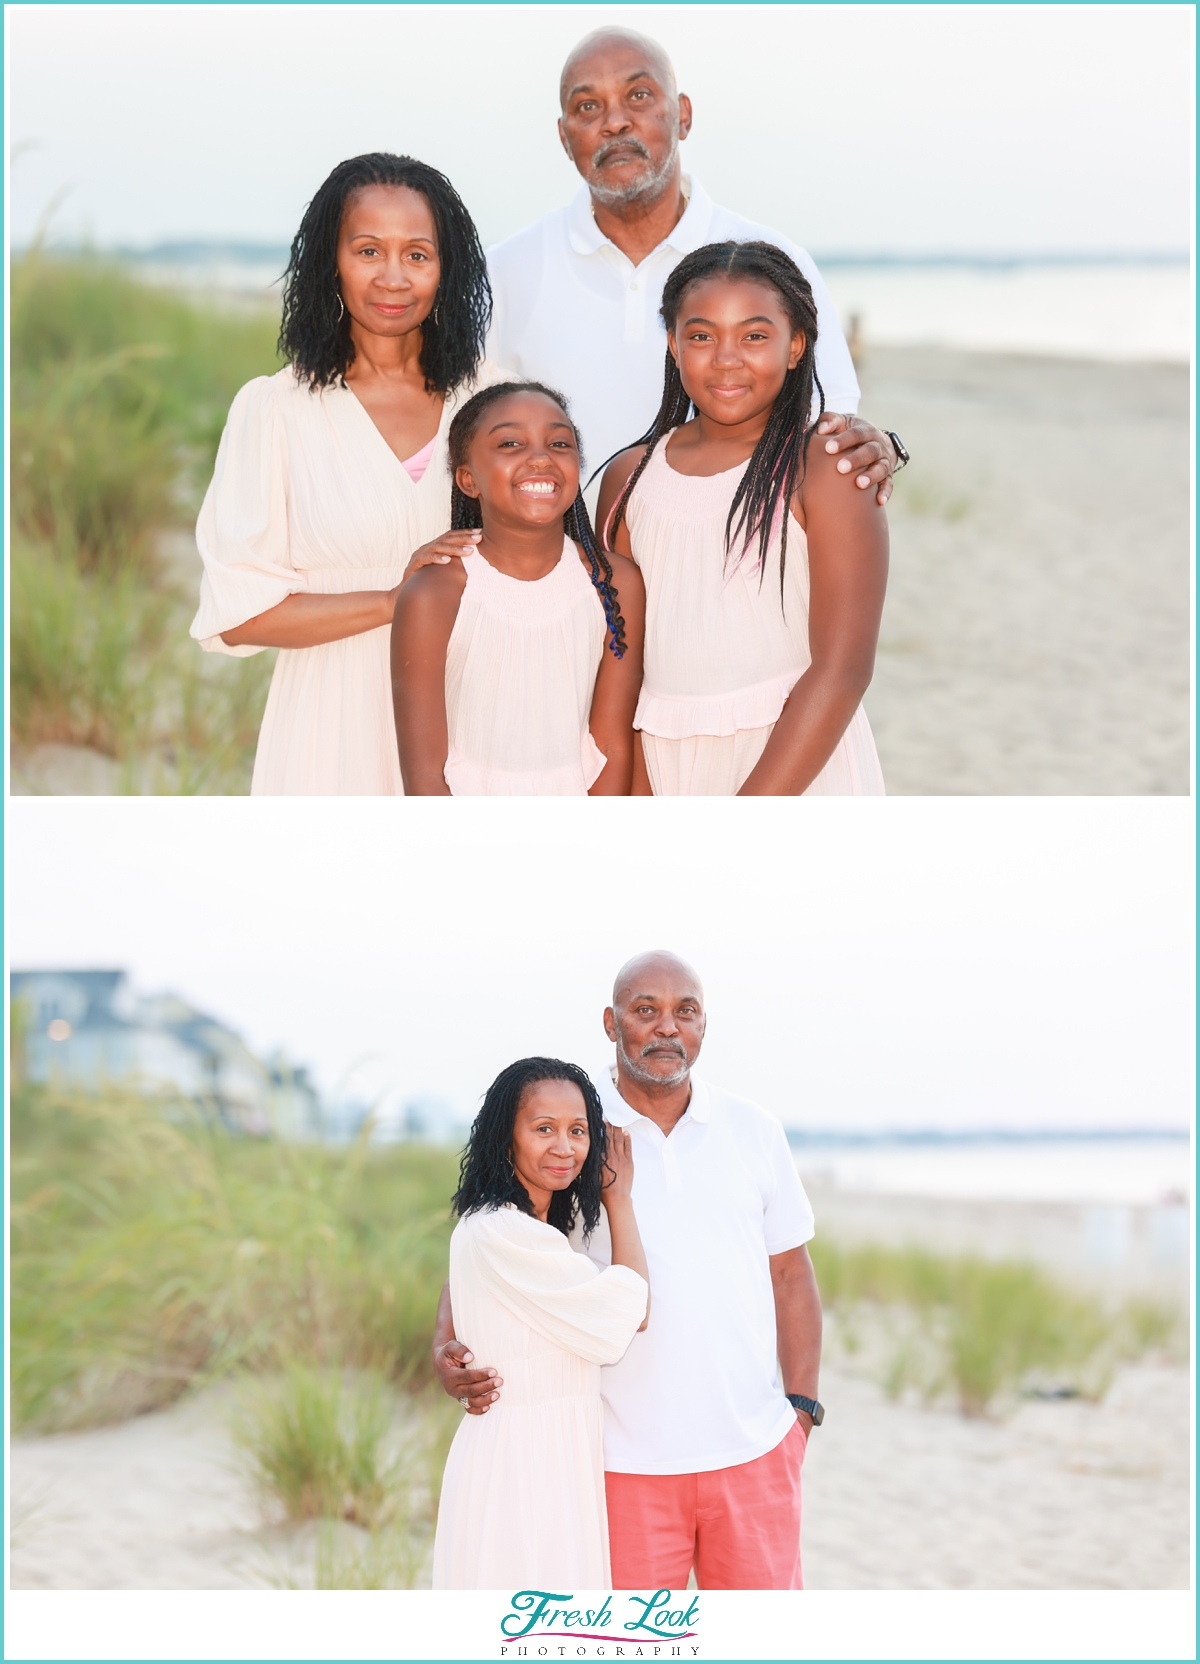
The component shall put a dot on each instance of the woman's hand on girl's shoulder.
(427, 591)
(616, 478)
(441, 551)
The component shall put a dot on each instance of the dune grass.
(980, 1330)
(152, 1251)
(346, 1450)
(119, 396)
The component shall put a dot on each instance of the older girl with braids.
(764, 576)
(516, 669)
(332, 472)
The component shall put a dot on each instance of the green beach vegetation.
(980, 1331)
(119, 395)
(155, 1253)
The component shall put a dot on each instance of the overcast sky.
(910, 962)
(906, 128)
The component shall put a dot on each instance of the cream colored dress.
(722, 655)
(522, 1503)
(521, 667)
(309, 498)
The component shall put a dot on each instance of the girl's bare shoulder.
(616, 475)
(431, 592)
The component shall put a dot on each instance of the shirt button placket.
(635, 312)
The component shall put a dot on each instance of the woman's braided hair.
(314, 335)
(776, 466)
(468, 511)
(487, 1177)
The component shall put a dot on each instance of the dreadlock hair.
(468, 511)
(315, 333)
(777, 464)
(487, 1176)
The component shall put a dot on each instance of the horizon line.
(999, 259)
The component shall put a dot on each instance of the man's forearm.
(797, 1321)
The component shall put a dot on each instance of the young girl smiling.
(516, 669)
(764, 575)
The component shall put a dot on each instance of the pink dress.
(722, 654)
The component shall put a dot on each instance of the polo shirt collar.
(585, 236)
(620, 1114)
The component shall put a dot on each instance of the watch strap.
(902, 456)
(811, 1406)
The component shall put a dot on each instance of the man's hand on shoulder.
(480, 1388)
(863, 451)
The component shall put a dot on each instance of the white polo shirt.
(698, 1388)
(573, 311)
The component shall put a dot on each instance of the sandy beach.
(1035, 638)
(1059, 1493)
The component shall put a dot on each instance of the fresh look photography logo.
(540, 1624)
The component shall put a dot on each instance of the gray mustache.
(601, 156)
(664, 1046)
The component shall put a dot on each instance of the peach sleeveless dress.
(722, 654)
(522, 1503)
(521, 666)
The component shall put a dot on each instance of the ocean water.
(1120, 1171)
(1122, 310)
(1116, 310)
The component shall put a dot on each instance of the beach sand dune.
(1035, 638)
(1064, 1495)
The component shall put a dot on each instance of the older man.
(708, 1413)
(577, 294)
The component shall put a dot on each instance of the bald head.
(594, 55)
(623, 120)
(646, 970)
(656, 1021)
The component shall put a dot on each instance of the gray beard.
(620, 196)
(644, 1077)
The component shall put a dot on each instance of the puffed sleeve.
(242, 533)
(534, 1272)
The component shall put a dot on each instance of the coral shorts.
(738, 1528)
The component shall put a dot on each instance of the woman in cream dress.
(332, 472)
(765, 568)
(522, 1502)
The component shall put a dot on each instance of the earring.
(437, 311)
(341, 307)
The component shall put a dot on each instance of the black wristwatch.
(902, 456)
(811, 1407)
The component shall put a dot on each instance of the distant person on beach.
(516, 669)
(523, 1492)
(765, 577)
(577, 294)
(708, 1413)
(331, 473)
